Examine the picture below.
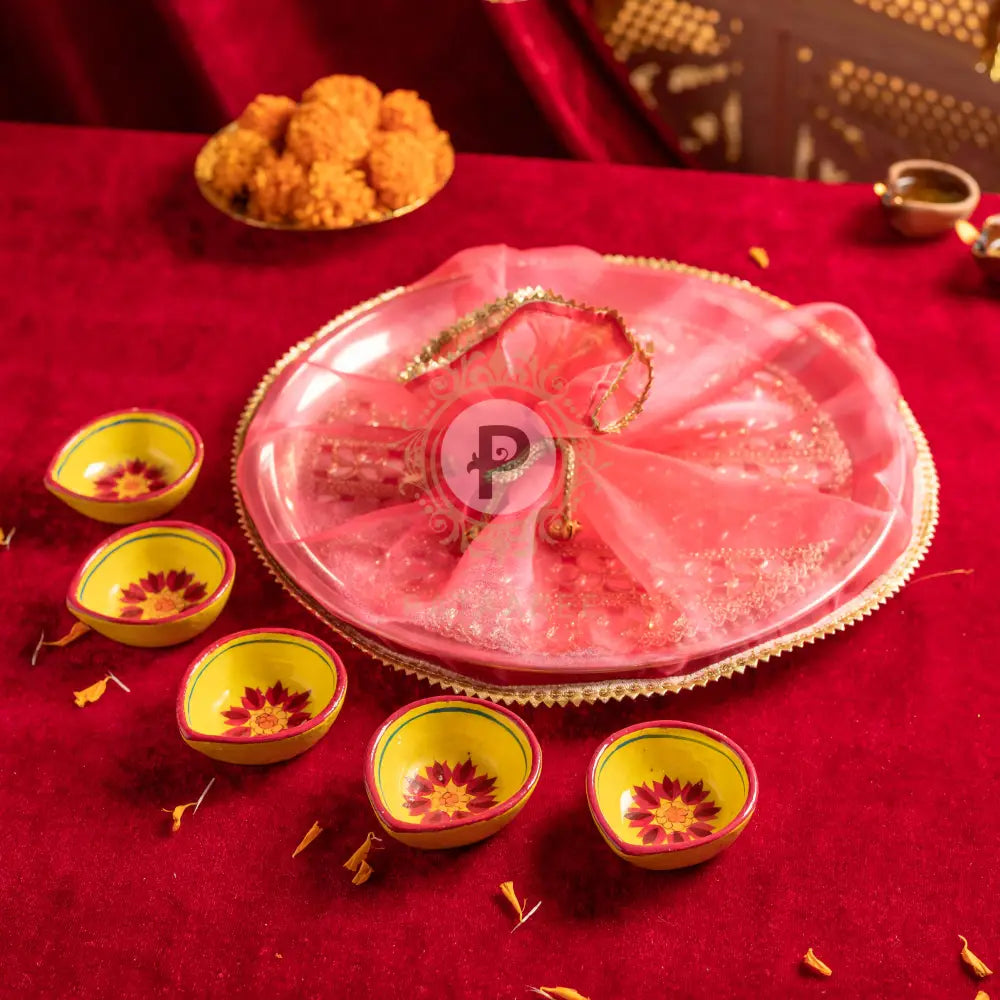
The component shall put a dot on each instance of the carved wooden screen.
(829, 89)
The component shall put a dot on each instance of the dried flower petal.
(364, 873)
(90, 694)
(507, 888)
(357, 859)
(760, 257)
(976, 964)
(967, 232)
(817, 965)
(311, 834)
(72, 635)
(177, 812)
(558, 992)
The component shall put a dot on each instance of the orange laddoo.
(268, 114)
(401, 168)
(354, 95)
(273, 187)
(318, 131)
(346, 154)
(235, 157)
(405, 110)
(444, 157)
(333, 196)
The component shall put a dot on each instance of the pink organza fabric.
(767, 477)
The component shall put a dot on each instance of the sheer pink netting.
(767, 477)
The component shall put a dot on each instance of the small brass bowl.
(154, 584)
(260, 696)
(127, 466)
(925, 198)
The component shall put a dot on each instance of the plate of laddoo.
(344, 155)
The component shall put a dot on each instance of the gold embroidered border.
(615, 689)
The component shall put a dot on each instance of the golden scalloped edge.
(577, 693)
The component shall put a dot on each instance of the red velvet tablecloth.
(876, 835)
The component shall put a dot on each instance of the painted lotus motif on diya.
(668, 812)
(443, 793)
(134, 478)
(264, 713)
(161, 595)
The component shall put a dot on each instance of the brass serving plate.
(590, 692)
(223, 205)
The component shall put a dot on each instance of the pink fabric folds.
(761, 477)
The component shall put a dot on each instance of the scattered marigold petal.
(810, 960)
(357, 859)
(311, 834)
(364, 873)
(976, 964)
(966, 231)
(90, 694)
(72, 635)
(982, 995)
(6, 538)
(177, 812)
(760, 257)
(507, 888)
(558, 993)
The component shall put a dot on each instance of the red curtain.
(191, 65)
(583, 91)
(530, 77)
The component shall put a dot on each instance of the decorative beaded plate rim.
(870, 599)
(223, 205)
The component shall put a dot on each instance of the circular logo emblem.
(497, 456)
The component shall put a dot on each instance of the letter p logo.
(491, 457)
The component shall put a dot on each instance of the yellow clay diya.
(670, 794)
(127, 466)
(926, 197)
(154, 584)
(449, 771)
(260, 696)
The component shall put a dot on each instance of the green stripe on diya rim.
(274, 641)
(127, 420)
(437, 711)
(673, 736)
(152, 533)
